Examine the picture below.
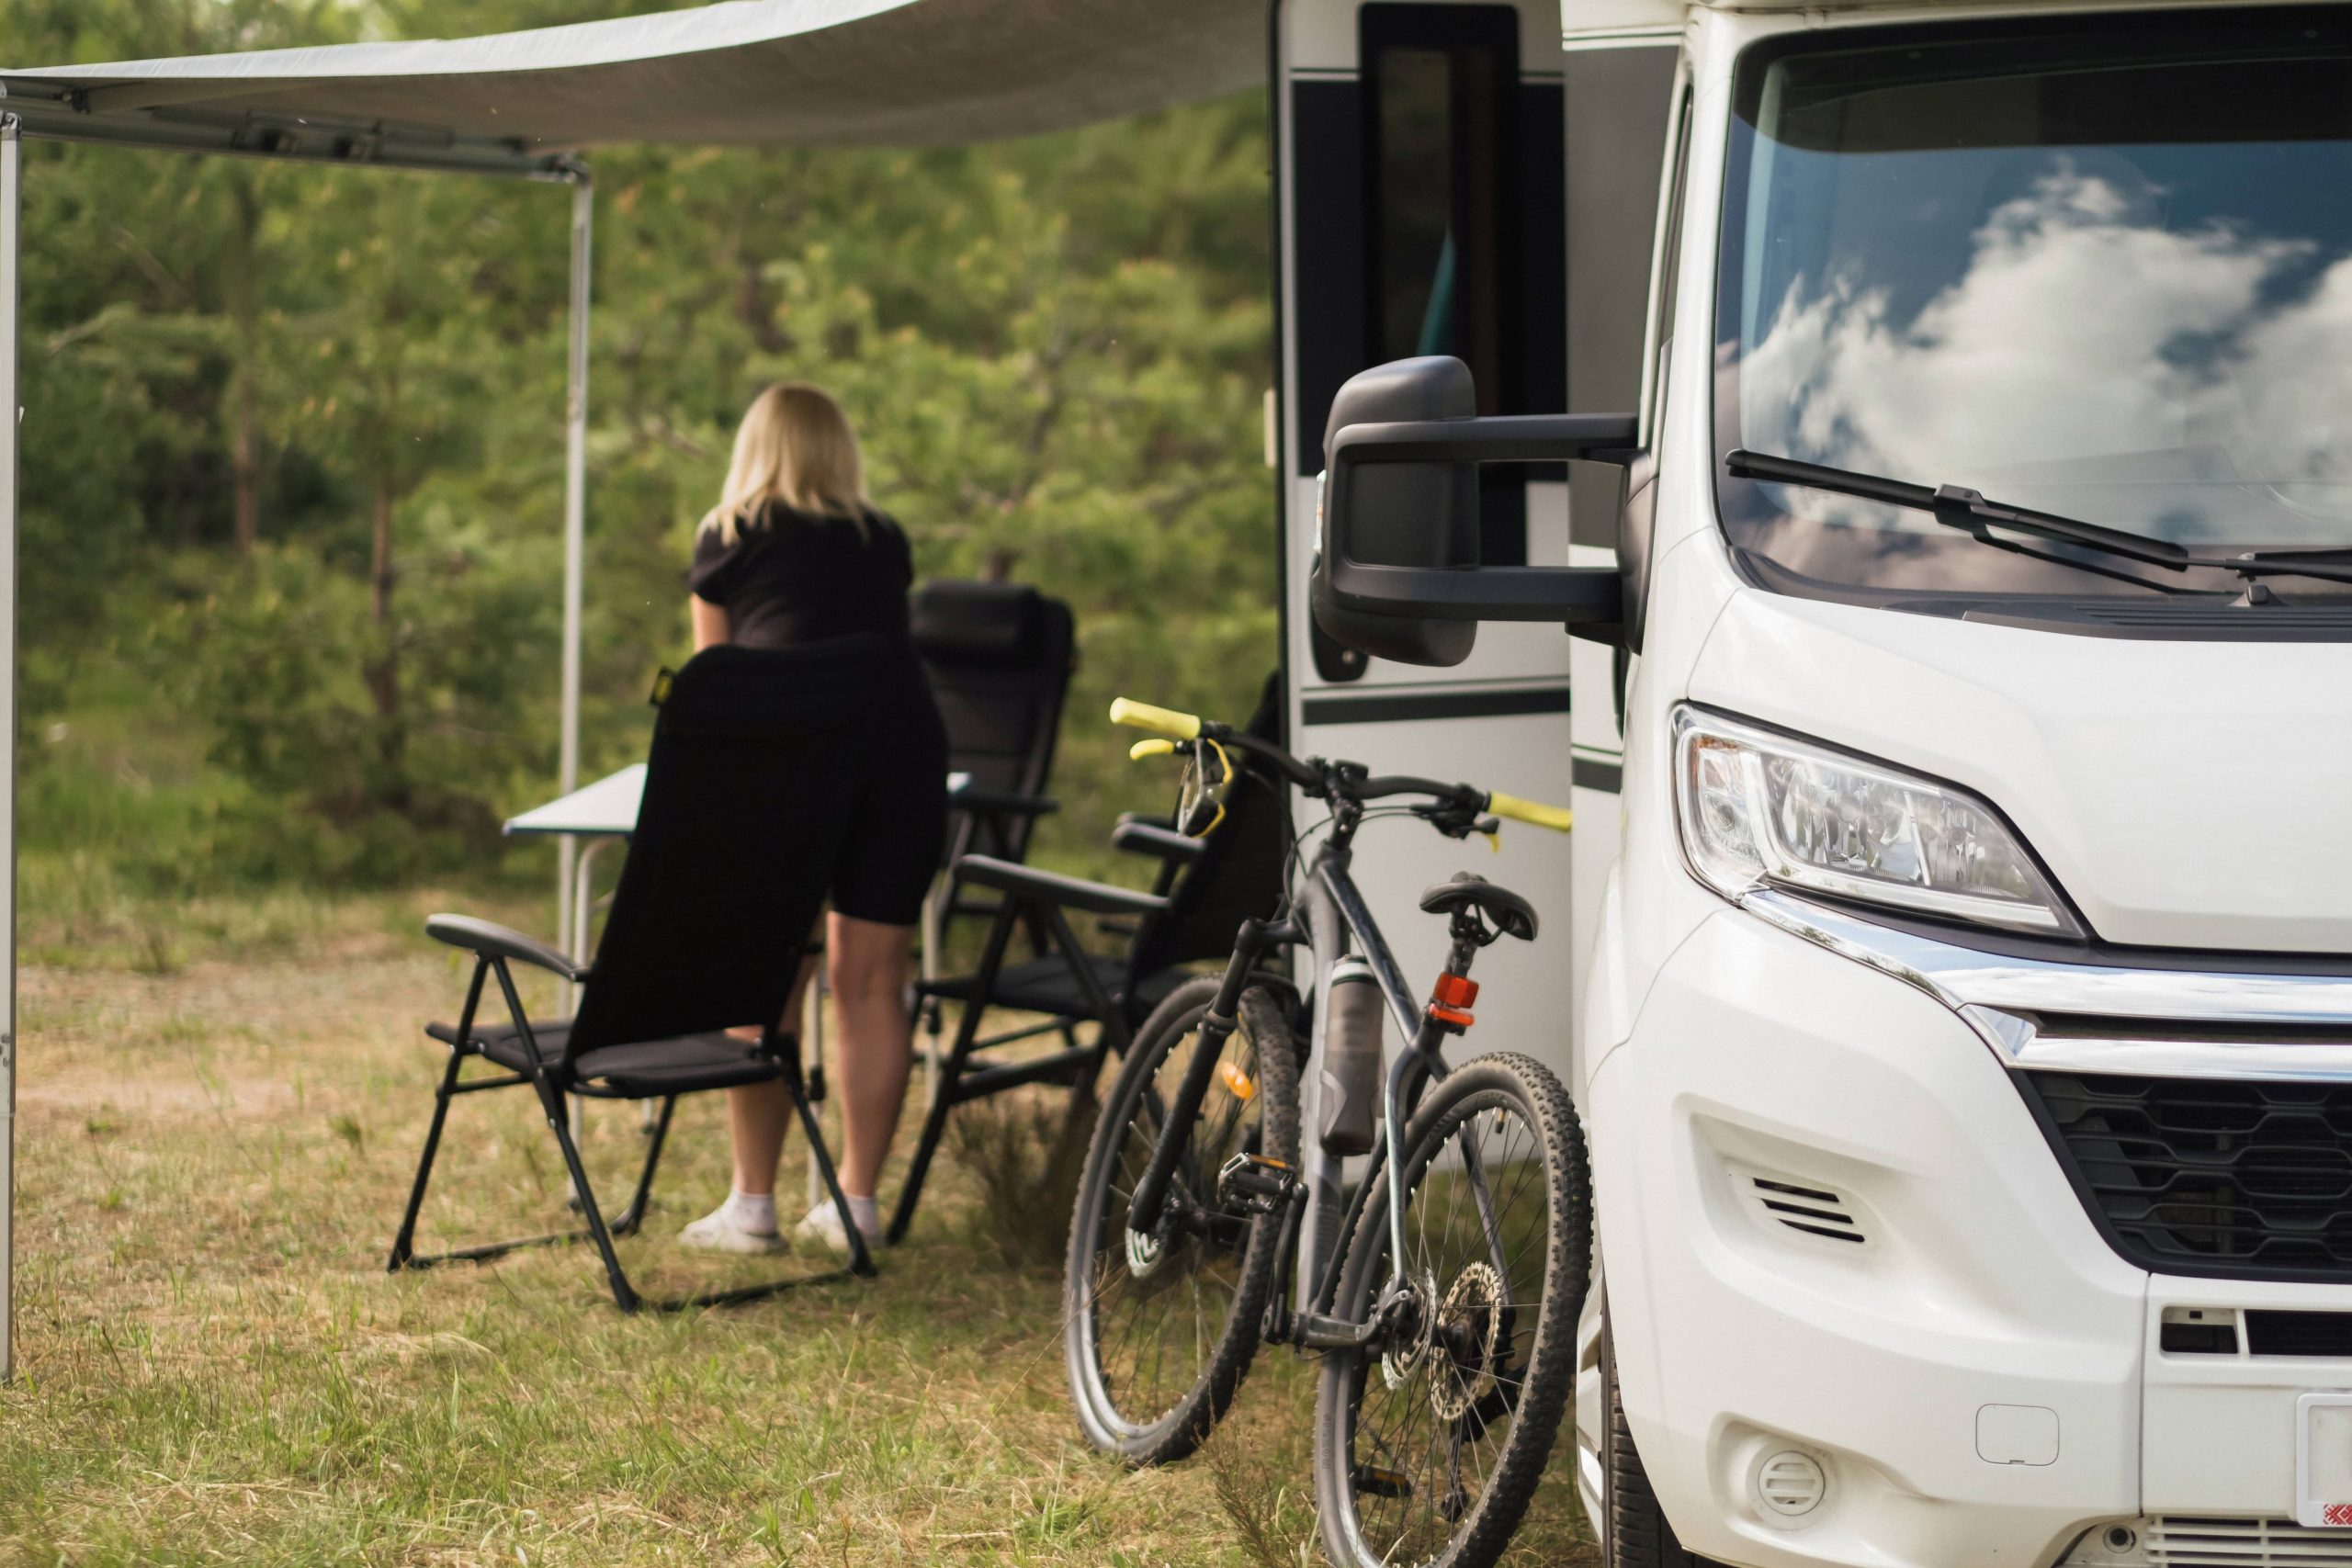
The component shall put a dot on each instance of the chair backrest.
(1239, 873)
(998, 656)
(748, 794)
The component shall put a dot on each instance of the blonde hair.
(795, 446)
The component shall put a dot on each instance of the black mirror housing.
(1405, 514)
(1397, 570)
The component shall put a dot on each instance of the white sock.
(864, 1211)
(753, 1214)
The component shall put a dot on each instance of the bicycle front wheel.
(1156, 1339)
(1429, 1443)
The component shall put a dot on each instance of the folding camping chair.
(999, 656)
(746, 793)
(1205, 888)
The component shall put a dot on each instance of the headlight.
(1759, 808)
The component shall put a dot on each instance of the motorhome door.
(1423, 187)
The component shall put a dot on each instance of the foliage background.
(292, 443)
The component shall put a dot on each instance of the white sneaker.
(822, 1226)
(719, 1231)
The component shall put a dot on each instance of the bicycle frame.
(1335, 919)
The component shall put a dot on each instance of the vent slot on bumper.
(2272, 1332)
(2215, 1177)
(2177, 1542)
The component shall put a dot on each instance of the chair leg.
(861, 1261)
(559, 1121)
(404, 1243)
(934, 1125)
(943, 1093)
(634, 1215)
(1110, 1015)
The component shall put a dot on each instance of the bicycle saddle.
(1512, 915)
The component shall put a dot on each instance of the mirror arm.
(1566, 596)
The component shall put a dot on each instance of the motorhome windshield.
(2098, 268)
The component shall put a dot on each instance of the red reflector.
(1444, 1014)
(1458, 990)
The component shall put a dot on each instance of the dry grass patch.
(216, 1367)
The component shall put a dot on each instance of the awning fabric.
(770, 72)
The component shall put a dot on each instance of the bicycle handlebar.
(1161, 721)
(1559, 819)
(1324, 778)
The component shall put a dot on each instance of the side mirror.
(1396, 571)
(1402, 514)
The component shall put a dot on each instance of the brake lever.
(1452, 820)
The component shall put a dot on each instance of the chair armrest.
(1001, 802)
(1051, 887)
(492, 940)
(1151, 839)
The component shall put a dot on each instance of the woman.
(795, 553)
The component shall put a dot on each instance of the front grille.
(2208, 1175)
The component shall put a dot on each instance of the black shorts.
(898, 824)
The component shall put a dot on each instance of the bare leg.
(757, 1114)
(868, 963)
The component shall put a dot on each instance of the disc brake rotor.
(1468, 1326)
(1409, 1348)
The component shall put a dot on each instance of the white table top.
(607, 808)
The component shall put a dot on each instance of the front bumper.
(1831, 1227)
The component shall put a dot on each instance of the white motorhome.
(1959, 530)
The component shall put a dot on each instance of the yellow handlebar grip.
(1559, 819)
(1142, 749)
(1166, 721)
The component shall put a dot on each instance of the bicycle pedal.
(1263, 1186)
(1371, 1480)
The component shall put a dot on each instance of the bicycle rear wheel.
(1156, 1340)
(1429, 1443)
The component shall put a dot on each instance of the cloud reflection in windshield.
(2087, 360)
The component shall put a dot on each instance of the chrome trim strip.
(1998, 997)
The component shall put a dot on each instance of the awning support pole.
(571, 904)
(575, 532)
(11, 174)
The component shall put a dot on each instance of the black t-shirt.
(791, 577)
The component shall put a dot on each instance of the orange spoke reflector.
(1241, 1084)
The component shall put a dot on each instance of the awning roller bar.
(62, 114)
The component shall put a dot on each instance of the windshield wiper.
(1968, 511)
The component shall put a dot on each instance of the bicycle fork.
(1148, 1211)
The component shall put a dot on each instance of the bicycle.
(1448, 1357)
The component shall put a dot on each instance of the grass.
(220, 1110)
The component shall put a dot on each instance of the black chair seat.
(654, 1070)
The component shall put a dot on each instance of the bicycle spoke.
(1158, 1314)
(1433, 1417)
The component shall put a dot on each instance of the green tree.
(293, 480)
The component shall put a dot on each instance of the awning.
(813, 72)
